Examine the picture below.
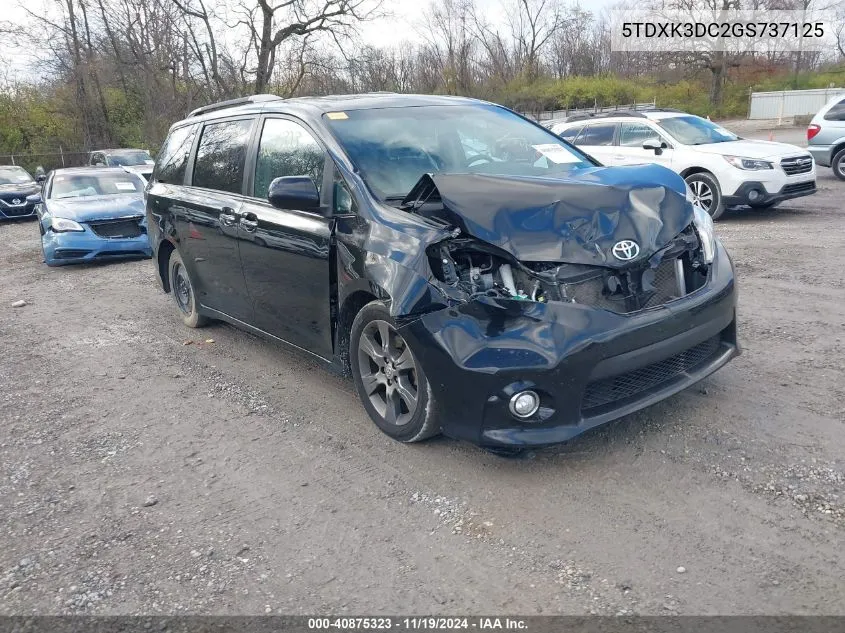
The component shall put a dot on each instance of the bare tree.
(272, 23)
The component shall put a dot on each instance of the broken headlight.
(706, 233)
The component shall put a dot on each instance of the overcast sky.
(402, 26)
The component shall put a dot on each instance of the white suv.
(721, 169)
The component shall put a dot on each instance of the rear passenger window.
(635, 134)
(287, 149)
(221, 156)
(836, 113)
(596, 134)
(173, 157)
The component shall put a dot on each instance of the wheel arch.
(838, 147)
(352, 304)
(689, 171)
(163, 261)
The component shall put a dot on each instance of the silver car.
(826, 136)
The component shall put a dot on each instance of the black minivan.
(476, 275)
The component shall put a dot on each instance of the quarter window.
(597, 134)
(221, 156)
(173, 157)
(634, 134)
(836, 113)
(287, 149)
(571, 133)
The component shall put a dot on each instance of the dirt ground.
(143, 475)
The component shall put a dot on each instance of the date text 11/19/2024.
(416, 623)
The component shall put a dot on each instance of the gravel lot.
(144, 474)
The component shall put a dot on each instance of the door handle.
(249, 225)
(228, 217)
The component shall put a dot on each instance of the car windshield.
(85, 185)
(393, 148)
(130, 159)
(693, 130)
(14, 176)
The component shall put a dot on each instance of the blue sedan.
(88, 214)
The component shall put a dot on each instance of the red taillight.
(812, 130)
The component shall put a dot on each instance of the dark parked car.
(135, 160)
(87, 215)
(15, 186)
(476, 274)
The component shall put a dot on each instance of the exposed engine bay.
(469, 267)
(474, 268)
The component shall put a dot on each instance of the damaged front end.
(539, 303)
(466, 266)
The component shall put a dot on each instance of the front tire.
(388, 378)
(707, 193)
(838, 164)
(183, 292)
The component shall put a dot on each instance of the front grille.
(797, 165)
(601, 393)
(656, 287)
(665, 284)
(15, 212)
(799, 187)
(118, 228)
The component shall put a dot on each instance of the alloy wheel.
(388, 372)
(702, 194)
(182, 289)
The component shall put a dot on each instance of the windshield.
(14, 176)
(85, 185)
(393, 148)
(131, 159)
(693, 130)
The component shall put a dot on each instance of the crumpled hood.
(90, 208)
(574, 220)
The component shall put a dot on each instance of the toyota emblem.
(626, 250)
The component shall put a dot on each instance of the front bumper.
(589, 366)
(80, 248)
(787, 192)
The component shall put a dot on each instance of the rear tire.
(183, 292)
(389, 380)
(838, 164)
(707, 193)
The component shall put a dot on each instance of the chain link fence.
(47, 160)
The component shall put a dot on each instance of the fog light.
(524, 404)
(753, 195)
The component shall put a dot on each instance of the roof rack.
(638, 113)
(231, 103)
(604, 115)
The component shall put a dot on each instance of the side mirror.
(294, 192)
(34, 199)
(654, 144)
(41, 178)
